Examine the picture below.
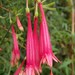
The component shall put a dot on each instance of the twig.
(4, 28)
(8, 10)
(5, 35)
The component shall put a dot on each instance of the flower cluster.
(38, 46)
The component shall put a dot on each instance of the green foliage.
(58, 15)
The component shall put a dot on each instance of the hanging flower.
(47, 55)
(31, 67)
(36, 44)
(19, 24)
(15, 51)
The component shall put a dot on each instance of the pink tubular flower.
(46, 52)
(36, 44)
(30, 53)
(19, 24)
(15, 51)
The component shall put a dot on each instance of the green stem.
(36, 10)
(9, 70)
(50, 4)
(27, 8)
(49, 8)
(73, 17)
(43, 1)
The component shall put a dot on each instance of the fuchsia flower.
(46, 53)
(15, 51)
(36, 45)
(19, 24)
(30, 53)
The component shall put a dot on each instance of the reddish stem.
(26, 3)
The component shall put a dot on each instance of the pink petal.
(55, 58)
(19, 69)
(49, 60)
(30, 71)
(12, 59)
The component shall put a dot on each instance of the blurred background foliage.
(58, 15)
